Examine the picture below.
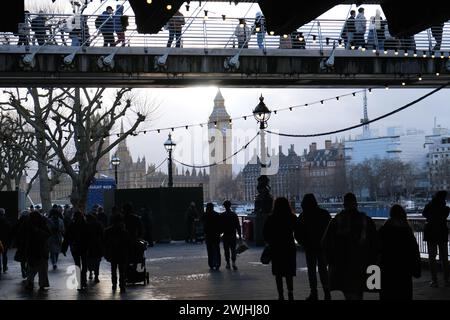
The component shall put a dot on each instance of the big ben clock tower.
(220, 137)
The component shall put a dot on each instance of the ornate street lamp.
(262, 115)
(115, 161)
(263, 199)
(170, 145)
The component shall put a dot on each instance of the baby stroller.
(136, 269)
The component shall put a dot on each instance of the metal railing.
(219, 33)
(418, 225)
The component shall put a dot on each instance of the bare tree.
(13, 161)
(76, 128)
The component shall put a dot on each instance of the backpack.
(98, 22)
(124, 22)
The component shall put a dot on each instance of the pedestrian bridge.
(210, 53)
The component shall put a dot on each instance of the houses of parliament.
(139, 174)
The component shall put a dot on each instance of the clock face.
(224, 130)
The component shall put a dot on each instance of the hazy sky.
(193, 105)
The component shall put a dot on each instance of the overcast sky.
(193, 105)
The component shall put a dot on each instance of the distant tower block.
(220, 136)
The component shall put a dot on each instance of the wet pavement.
(180, 271)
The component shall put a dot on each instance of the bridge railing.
(219, 33)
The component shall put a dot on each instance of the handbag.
(241, 247)
(266, 256)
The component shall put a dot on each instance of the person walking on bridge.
(436, 235)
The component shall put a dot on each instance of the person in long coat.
(436, 235)
(95, 246)
(56, 227)
(118, 247)
(36, 250)
(311, 226)
(211, 220)
(278, 232)
(399, 256)
(77, 237)
(351, 245)
(20, 236)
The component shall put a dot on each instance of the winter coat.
(118, 19)
(95, 245)
(77, 237)
(36, 243)
(278, 232)
(229, 222)
(360, 23)
(20, 236)
(176, 23)
(350, 246)
(310, 228)
(436, 229)
(242, 33)
(212, 226)
(56, 227)
(107, 22)
(118, 244)
(399, 260)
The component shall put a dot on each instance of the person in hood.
(399, 256)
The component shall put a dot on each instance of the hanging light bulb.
(257, 29)
(224, 17)
(187, 7)
(149, 1)
(285, 36)
(272, 33)
(169, 7)
(206, 14)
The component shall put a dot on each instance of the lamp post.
(262, 115)
(115, 161)
(170, 145)
(263, 199)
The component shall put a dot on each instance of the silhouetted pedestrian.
(350, 245)
(106, 25)
(360, 28)
(77, 237)
(230, 225)
(278, 232)
(5, 237)
(118, 245)
(399, 256)
(348, 32)
(36, 244)
(95, 246)
(56, 227)
(39, 28)
(102, 217)
(242, 33)
(212, 228)
(20, 236)
(260, 29)
(175, 26)
(311, 226)
(118, 27)
(436, 235)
